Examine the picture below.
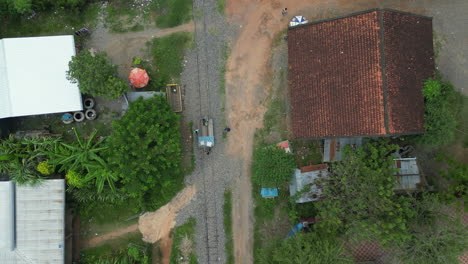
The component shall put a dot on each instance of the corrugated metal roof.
(408, 176)
(7, 217)
(301, 180)
(33, 76)
(40, 224)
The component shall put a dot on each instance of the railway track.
(205, 109)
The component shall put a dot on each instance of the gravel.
(202, 97)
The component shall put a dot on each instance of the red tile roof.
(350, 76)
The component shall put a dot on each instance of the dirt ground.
(123, 47)
(154, 226)
(246, 90)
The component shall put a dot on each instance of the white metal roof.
(40, 225)
(302, 179)
(33, 76)
(7, 216)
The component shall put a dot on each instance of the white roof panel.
(7, 217)
(36, 76)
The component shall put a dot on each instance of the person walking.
(196, 131)
(284, 12)
(227, 129)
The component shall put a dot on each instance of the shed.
(39, 223)
(33, 77)
(408, 176)
(306, 176)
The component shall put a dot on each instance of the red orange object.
(138, 78)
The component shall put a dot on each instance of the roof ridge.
(383, 68)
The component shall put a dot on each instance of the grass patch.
(173, 13)
(53, 22)
(167, 56)
(183, 246)
(227, 212)
(124, 16)
(221, 6)
(115, 247)
(225, 52)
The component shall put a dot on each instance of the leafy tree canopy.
(442, 106)
(144, 150)
(272, 167)
(360, 197)
(95, 75)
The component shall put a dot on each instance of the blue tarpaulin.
(295, 229)
(206, 141)
(269, 192)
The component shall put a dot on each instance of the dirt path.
(122, 47)
(154, 225)
(246, 90)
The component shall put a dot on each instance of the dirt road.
(259, 22)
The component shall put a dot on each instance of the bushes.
(442, 106)
(173, 13)
(272, 167)
(95, 75)
(145, 151)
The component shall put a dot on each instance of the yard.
(163, 59)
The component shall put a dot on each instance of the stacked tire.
(89, 113)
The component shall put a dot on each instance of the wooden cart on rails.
(174, 97)
(206, 134)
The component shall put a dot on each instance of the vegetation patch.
(272, 167)
(124, 15)
(48, 17)
(95, 75)
(183, 246)
(173, 13)
(167, 58)
(221, 6)
(227, 214)
(129, 249)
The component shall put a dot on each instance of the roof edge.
(383, 68)
(335, 18)
(359, 13)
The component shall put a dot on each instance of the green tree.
(144, 150)
(442, 106)
(307, 248)
(272, 167)
(359, 196)
(436, 236)
(95, 75)
(457, 175)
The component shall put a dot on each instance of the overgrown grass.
(171, 13)
(227, 212)
(179, 233)
(167, 58)
(306, 152)
(118, 244)
(124, 15)
(54, 22)
(221, 6)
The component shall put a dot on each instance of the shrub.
(45, 168)
(144, 150)
(442, 106)
(272, 167)
(74, 179)
(95, 75)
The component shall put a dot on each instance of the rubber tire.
(90, 114)
(78, 116)
(89, 103)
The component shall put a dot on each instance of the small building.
(306, 176)
(333, 147)
(32, 223)
(269, 192)
(33, 79)
(408, 175)
(360, 75)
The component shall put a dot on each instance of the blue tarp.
(269, 192)
(295, 229)
(206, 141)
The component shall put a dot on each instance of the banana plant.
(83, 155)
